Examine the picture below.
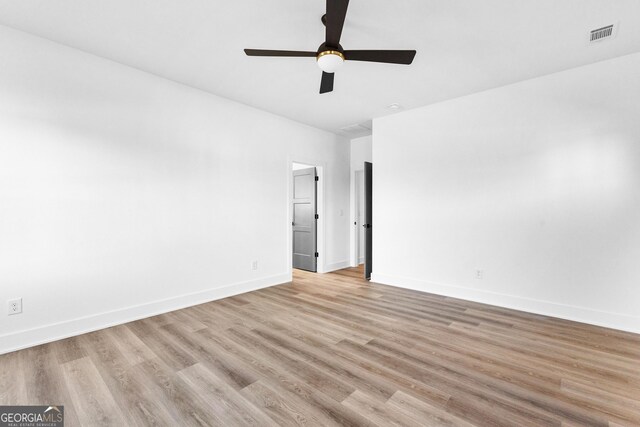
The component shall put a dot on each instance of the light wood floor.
(334, 350)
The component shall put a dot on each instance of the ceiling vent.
(357, 130)
(603, 33)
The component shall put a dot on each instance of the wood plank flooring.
(335, 350)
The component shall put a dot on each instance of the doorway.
(305, 206)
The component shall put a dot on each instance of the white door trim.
(354, 237)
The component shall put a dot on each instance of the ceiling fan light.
(330, 60)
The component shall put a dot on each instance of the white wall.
(536, 183)
(123, 194)
(361, 151)
(299, 166)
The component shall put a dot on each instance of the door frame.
(356, 230)
(320, 210)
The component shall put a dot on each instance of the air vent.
(600, 34)
(356, 131)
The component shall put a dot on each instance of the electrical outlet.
(254, 265)
(479, 274)
(14, 306)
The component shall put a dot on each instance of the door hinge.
(317, 178)
(317, 216)
(317, 254)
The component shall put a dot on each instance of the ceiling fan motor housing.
(325, 47)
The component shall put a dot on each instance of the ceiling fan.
(330, 55)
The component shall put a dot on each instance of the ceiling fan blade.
(290, 53)
(387, 56)
(336, 14)
(326, 84)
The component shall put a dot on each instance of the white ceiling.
(464, 46)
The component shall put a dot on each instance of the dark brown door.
(368, 219)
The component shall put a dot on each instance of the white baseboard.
(361, 261)
(336, 266)
(57, 331)
(546, 308)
